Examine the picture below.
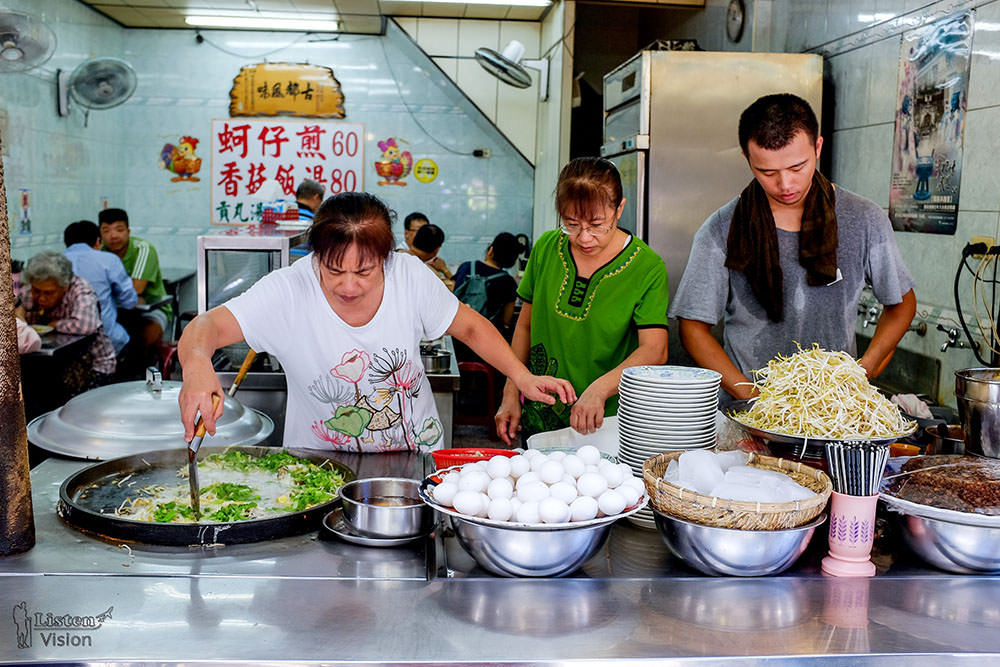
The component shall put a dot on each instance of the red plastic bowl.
(444, 458)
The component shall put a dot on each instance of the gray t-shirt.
(866, 253)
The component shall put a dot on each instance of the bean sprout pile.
(821, 394)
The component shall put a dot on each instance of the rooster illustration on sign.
(394, 165)
(181, 159)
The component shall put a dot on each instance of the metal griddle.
(88, 500)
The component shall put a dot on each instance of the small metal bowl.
(951, 546)
(386, 508)
(734, 552)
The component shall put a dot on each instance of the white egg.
(514, 504)
(518, 466)
(630, 495)
(583, 508)
(611, 502)
(469, 502)
(444, 492)
(626, 471)
(612, 473)
(500, 509)
(453, 475)
(538, 461)
(473, 480)
(498, 466)
(527, 513)
(564, 491)
(605, 463)
(534, 492)
(636, 483)
(591, 484)
(569, 479)
(476, 465)
(589, 454)
(532, 453)
(553, 510)
(501, 487)
(557, 456)
(573, 465)
(551, 471)
(590, 467)
(529, 477)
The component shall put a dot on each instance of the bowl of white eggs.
(542, 513)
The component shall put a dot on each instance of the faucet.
(919, 327)
(953, 340)
(871, 316)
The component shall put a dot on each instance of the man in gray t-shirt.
(780, 139)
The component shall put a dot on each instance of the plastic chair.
(468, 367)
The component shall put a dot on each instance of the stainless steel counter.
(309, 598)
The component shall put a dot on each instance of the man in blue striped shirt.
(308, 196)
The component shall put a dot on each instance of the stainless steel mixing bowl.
(953, 546)
(733, 552)
(978, 394)
(386, 507)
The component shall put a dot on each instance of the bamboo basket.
(696, 507)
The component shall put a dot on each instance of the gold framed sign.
(286, 89)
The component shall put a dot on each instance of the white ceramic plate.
(685, 375)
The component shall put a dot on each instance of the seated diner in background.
(594, 303)
(106, 275)
(487, 286)
(28, 339)
(52, 295)
(143, 266)
(784, 263)
(413, 222)
(427, 244)
(346, 322)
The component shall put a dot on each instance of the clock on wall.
(735, 18)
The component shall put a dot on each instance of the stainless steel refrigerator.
(670, 126)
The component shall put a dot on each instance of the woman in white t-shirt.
(346, 323)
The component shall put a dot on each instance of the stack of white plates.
(661, 409)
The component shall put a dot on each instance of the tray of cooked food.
(956, 488)
(813, 397)
(248, 494)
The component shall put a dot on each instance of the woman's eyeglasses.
(574, 229)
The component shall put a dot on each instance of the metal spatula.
(193, 448)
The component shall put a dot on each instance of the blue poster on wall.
(930, 118)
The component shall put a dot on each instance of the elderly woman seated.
(52, 295)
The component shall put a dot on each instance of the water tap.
(871, 316)
(953, 340)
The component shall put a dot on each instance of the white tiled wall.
(865, 81)
(389, 86)
(451, 44)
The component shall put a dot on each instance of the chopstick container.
(856, 470)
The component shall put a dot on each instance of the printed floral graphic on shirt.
(381, 420)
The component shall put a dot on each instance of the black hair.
(309, 188)
(111, 215)
(429, 238)
(416, 215)
(348, 218)
(773, 120)
(81, 231)
(506, 249)
(586, 185)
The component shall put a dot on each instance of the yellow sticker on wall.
(426, 170)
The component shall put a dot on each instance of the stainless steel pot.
(978, 394)
(436, 361)
(944, 439)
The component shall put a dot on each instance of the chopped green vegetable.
(167, 512)
(230, 491)
(232, 512)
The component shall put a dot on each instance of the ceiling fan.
(509, 67)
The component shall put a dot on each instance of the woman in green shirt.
(595, 303)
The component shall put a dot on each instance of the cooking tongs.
(199, 435)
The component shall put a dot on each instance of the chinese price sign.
(246, 154)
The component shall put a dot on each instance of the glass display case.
(231, 261)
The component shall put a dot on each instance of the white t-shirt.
(351, 388)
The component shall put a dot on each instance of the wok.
(88, 500)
